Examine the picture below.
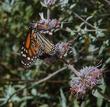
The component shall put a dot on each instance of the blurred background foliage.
(87, 19)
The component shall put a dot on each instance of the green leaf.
(63, 99)
(44, 105)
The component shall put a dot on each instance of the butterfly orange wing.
(30, 50)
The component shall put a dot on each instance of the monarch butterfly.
(35, 45)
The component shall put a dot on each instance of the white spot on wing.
(28, 58)
(24, 55)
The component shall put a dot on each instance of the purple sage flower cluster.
(89, 77)
(48, 3)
